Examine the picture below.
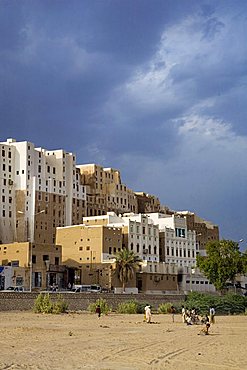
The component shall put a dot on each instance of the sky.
(154, 88)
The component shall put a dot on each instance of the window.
(34, 259)
(56, 260)
(180, 232)
(45, 257)
(37, 279)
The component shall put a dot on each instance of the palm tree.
(126, 264)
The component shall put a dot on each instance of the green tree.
(126, 264)
(244, 261)
(222, 262)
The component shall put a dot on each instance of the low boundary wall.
(80, 301)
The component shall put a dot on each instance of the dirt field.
(82, 341)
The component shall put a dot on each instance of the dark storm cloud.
(154, 88)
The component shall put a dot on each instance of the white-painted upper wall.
(34, 170)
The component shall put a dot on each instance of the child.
(205, 330)
(173, 311)
(98, 311)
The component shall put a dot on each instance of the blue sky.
(154, 88)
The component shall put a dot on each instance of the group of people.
(191, 317)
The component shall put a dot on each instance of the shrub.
(129, 307)
(59, 306)
(165, 307)
(43, 304)
(231, 303)
(227, 304)
(103, 306)
(202, 302)
(141, 307)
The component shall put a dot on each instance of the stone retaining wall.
(80, 301)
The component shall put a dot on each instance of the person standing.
(173, 311)
(183, 314)
(148, 314)
(212, 315)
(98, 310)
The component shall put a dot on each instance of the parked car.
(14, 289)
(105, 290)
(87, 288)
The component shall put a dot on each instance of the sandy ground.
(82, 341)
